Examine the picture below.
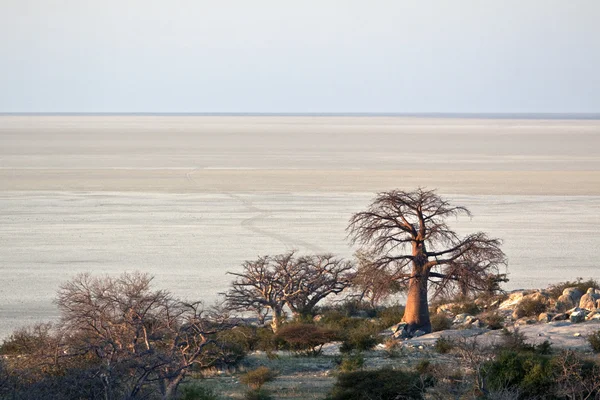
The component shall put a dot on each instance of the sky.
(300, 56)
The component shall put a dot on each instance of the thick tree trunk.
(416, 314)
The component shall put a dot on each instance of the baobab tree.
(300, 283)
(408, 234)
(315, 277)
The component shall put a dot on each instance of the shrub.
(258, 394)
(256, 378)
(514, 341)
(351, 362)
(530, 307)
(465, 307)
(194, 392)
(557, 289)
(440, 322)
(350, 308)
(594, 341)
(443, 345)
(306, 339)
(377, 385)
(362, 338)
(493, 321)
(530, 373)
(389, 316)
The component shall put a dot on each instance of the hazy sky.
(300, 56)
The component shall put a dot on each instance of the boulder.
(398, 327)
(569, 298)
(589, 299)
(578, 316)
(461, 319)
(593, 316)
(445, 308)
(418, 333)
(513, 299)
(545, 317)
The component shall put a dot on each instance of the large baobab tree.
(408, 233)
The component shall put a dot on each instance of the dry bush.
(256, 378)
(306, 339)
(440, 322)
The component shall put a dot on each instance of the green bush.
(515, 341)
(383, 384)
(258, 394)
(594, 341)
(350, 308)
(532, 374)
(256, 378)
(306, 339)
(443, 345)
(389, 316)
(194, 392)
(440, 322)
(362, 338)
(351, 362)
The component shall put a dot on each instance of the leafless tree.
(300, 283)
(139, 337)
(371, 287)
(409, 234)
(314, 278)
(577, 378)
(263, 284)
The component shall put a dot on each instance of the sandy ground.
(189, 198)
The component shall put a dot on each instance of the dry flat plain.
(187, 198)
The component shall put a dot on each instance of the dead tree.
(141, 339)
(408, 233)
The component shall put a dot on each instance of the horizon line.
(483, 115)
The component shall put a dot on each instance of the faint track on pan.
(261, 215)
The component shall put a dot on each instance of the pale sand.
(188, 198)
(217, 181)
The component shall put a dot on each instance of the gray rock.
(418, 333)
(578, 316)
(461, 318)
(399, 326)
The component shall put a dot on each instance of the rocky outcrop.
(569, 298)
(589, 301)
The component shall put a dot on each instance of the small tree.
(300, 283)
(263, 284)
(407, 232)
(314, 278)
